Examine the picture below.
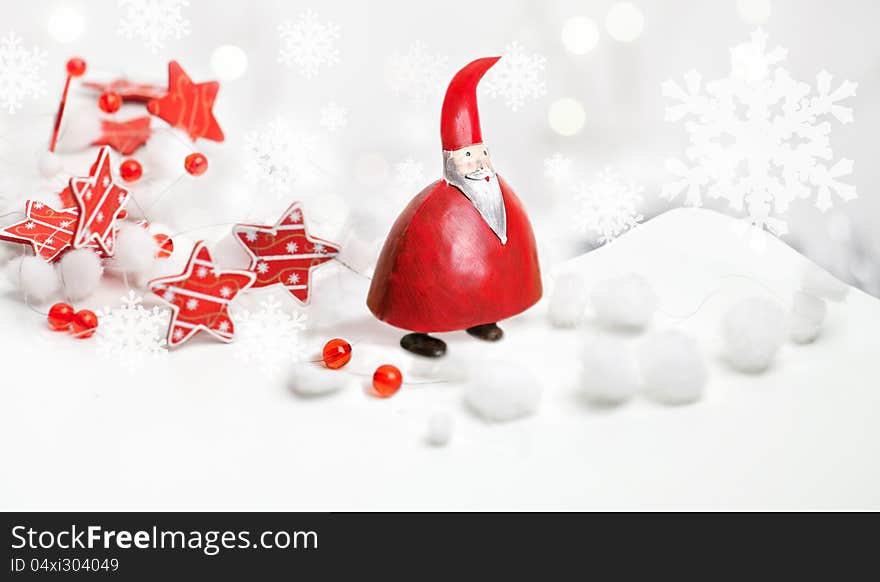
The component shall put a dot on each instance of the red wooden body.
(443, 269)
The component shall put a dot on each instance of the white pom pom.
(568, 300)
(753, 331)
(627, 301)
(808, 307)
(81, 271)
(37, 279)
(802, 331)
(49, 165)
(310, 379)
(440, 427)
(609, 374)
(672, 367)
(819, 282)
(502, 391)
(135, 249)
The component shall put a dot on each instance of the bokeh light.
(624, 22)
(580, 35)
(566, 116)
(228, 62)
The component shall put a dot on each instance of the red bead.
(60, 316)
(85, 323)
(131, 170)
(337, 353)
(166, 245)
(110, 102)
(387, 380)
(76, 67)
(196, 164)
(123, 214)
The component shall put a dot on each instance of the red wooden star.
(126, 136)
(128, 90)
(285, 253)
(200, 296)
(187, 105)
(99, 202)
(50, 232)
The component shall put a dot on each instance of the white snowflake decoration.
(608, 207)
(308, 44)
(558, 169)
(270, 337)
(417, 74)
(758, 138)
(131, 334)
(153, 21)
(333, 116)
(517, 78)
(19, 72)
(409, 174)
(281, 156)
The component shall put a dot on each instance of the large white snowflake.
(281, 156)
(153, 21)
(759, 139)
(270, 337)
(19, 72)
(558, 169)
(417, 74)
(131, 334)
(308, 44)
(333, 116)
(517, 78)
(607, 207)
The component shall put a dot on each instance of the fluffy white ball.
(609, 374)
(673, 368)
(753, 330)
(37, 279)
(627, 301)
(819, 282)
(49, 165)
(502, 391)
(310, 379)
(81, 271)
(135, 249)
(440, 427)
(803, 331)
(808, 307)
(568, 300)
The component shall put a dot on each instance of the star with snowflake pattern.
(126, 136)
(50, 232)
(200, 296)
(285, 254)
(99, 202)
(188, 105)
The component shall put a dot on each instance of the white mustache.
(480, 174)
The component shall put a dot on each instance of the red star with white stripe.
(126, 136)
(285, 254)
(99, 202)
(200, 296)
(50, 232)
(188, 105)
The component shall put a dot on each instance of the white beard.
(484, 194)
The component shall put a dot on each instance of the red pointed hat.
(460, 118)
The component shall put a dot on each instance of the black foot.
(489, 332)
(423, 345)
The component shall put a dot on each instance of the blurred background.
(337, 104)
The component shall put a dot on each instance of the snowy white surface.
(200, 430)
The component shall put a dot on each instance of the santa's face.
(473, 162)
(470, 170)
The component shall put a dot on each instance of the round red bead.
(60, 316)
(387, 380)
(131, 170)
(110, 102)
(196, 164)
(76, 67)
(337, 353)
(85, 323)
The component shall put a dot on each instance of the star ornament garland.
(50, 232)
(99, 202)
(200, 296)
(285, 254)
(188, 105)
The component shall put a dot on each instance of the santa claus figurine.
(462, 255)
